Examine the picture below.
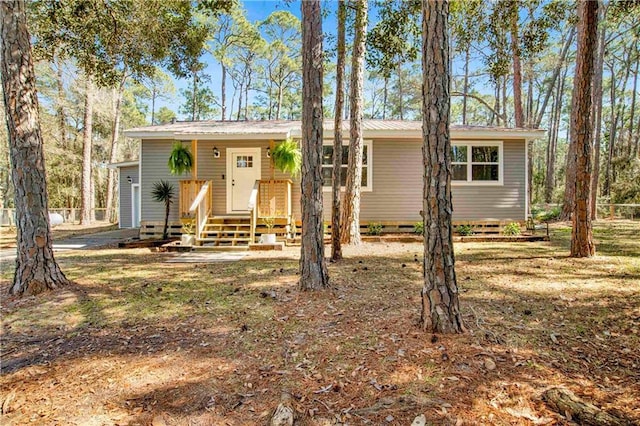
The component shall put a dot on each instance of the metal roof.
(282, 129)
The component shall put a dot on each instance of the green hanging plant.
(180, 159)
(287, 157)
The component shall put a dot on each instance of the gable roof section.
(282, 129)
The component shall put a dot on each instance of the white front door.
(135, 205)
(243, 169)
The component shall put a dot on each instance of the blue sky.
(256, 10)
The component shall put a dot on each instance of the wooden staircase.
(226, 232)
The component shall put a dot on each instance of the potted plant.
(287, 158)
(269, 222)
(180, 159)
(188, 237)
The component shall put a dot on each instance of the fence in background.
(606, 210)
(8, 216)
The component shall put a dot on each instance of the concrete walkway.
(82, 242)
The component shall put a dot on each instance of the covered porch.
(268, 210)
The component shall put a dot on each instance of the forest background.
(250, 69)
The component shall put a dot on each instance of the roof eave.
(123, 164)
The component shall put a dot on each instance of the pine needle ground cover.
(139, 341)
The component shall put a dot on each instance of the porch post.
(194, 151)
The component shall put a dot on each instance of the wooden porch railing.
(253, 198)
(202, 207)
(274, 198)
(189, 190)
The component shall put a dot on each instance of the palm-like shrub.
(163, 192)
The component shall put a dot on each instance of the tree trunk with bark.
(517, 69)
(554, 77)
(223, 92)
(582, 128)
(400, 92)
(87, 214)
(351, 212)
(36, 269)
(556, 106)
(596, 114)
(440, 305)
(565, 402)
(465, 87)
(313, 269)
(113, 155)
(336, 175)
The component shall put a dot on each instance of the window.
(478, 163)
(244, 161)
(327, 165)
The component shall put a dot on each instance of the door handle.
(233, 182)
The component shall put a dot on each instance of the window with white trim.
(327, 165)
(476, 162)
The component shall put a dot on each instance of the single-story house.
(236, 185)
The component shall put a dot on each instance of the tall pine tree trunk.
(351, 211)
(313, 269)
(582, 128)
(36, 269)
(440, 306)
(223, 92)
(87, 214)
(554, 77)
(596, 114)
(336, 175)
(400, 92)
(465, 87)
(606, 188)
(550, 153)
(517, 69)
(60, 112)
(113, 155)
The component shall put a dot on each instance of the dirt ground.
(138, 341)
(66, 230)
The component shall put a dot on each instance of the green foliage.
(204, 106)
(464, 230)
(164, 116)
(162, 192)
(626, 188)
(394, 39)
(180, 159)
(546, 215)
(111, 40)
(418, 228)
(512, 229)
(188, 226)
(287, 158)
(374, 228)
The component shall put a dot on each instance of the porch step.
(226, 232)
(220, 248)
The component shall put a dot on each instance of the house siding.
(124, 189)
(155, 155)
(397, 182)
(397, 187)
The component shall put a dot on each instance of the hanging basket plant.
(287, 157)
(180, 159)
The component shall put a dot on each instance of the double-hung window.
(476, 163)
(327, 165)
